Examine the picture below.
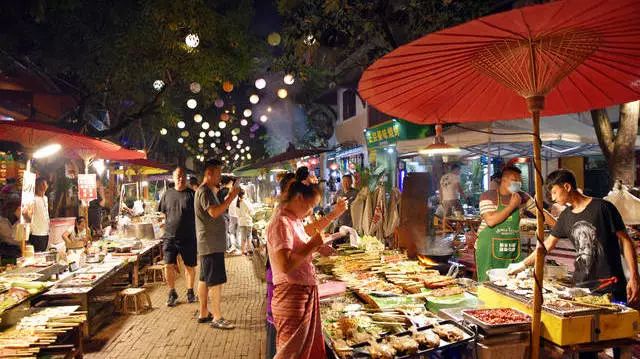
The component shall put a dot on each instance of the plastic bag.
(627, 204)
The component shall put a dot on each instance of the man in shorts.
(211, 232)
(179, 236)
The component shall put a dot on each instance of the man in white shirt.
(451, 190)
(39, 236)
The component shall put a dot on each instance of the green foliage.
(111, 52)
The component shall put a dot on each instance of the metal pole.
(540, 250)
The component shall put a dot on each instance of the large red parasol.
(32, 135)
(561, 57)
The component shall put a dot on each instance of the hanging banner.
(28, 194)
(87, 187)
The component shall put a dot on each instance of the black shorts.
(212, 270)
(188, 252)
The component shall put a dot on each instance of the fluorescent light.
(47, 150)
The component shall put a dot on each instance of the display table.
(97, 298)
(142, 258)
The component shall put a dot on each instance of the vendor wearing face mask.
(498, 243)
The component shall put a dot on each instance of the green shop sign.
(390, 132)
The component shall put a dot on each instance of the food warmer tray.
(494, 329)
(361, 352)
(561, 312)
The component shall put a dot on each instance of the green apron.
(498, 246)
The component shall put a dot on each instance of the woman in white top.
(78, 237)
(245, 213)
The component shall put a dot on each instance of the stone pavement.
(174, 333)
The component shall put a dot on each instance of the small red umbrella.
(32, 135)
(561, 57)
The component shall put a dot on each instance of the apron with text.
(498, 246)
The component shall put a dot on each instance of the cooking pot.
(139, 230)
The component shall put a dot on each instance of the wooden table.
(141, 259)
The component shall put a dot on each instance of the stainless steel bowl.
(140, 231)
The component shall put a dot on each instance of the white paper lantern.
(213, 145)
(222, 124)
(234, 138)
(218, 134)
(158, 85)
(211, 133)
(244, 122)
(200, 141)
(288, 79)
(254, 99)
(197, 118)
(181, 124)
(163, 131)
(192, 40)
(247, 113)
(192, 103)
(264, 118)
(180, 140)
(282, 93)
(261, 83)
(195, 87)
(205, 125)
(202, 134)
(240, 141)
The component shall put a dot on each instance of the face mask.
(515, 187)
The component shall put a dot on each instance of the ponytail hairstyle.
(299, 188)
(240, 197)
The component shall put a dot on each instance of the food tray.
(492, 329)
(361, 352)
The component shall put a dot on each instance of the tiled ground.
(173, 332)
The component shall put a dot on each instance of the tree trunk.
(619, 147)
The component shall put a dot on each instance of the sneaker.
(173, 298)
(222, 324)
(191, 296)
(207, 319)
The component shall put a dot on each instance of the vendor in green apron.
(498, 243)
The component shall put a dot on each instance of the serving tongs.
(598, 284)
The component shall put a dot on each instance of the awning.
(290, 154)
(144, 167)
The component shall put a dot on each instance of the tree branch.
(604, 131)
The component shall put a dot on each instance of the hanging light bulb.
(288, 79)
(248, 156)
(192, 40)
(200, 141)
(180, 140)
(247, 113)
(439, 146)
(222, 124)
(244, 122)
(205, 125)
(247, 148)
(238, 146)
(197, 118)
(213, 145)
(211, 133)
(261, 83)
(192, 103)
(240, 141)
(254, 99)
(202, 134)
(218, 134)
(264, 118)
(158, 85)
(163, 131)
(228, 148)
(282, 93)
(234, 138)
(242, 150)
(181, 124)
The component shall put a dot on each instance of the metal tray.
(493, 329)
(360, 352)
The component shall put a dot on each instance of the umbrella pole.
(540, 250)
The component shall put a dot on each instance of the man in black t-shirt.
(598, 233)
(179, 236)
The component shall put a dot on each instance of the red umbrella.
(33, 135)
(561, 57)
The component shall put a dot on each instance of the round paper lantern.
(274, 39)
(254, 99)
(282, 93)
(288, 79)
(180, 140)
(192, 103)
(244, 122)
(192, 40)
(240, 141)
(195, 87)
(158, 85)
(218, 103)
(222, 124)
(234, 138)
(264, 118)
(247, 148)
(218, 134)
(224, 117)
(200, 141)
(247, 113)
(261, 83)
(202, 134)
(211, 133)
(213, 145)
(227, 86)
(163, 131)
(197, 118)
(205, 125)
(181, 124)
(248, 156)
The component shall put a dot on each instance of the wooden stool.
(154, 274)
(133, 301)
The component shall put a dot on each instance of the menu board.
(87, 187)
